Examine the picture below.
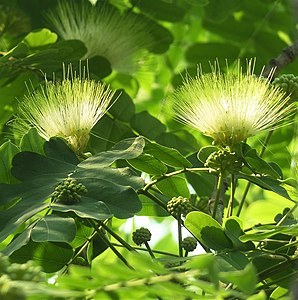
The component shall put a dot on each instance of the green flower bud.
(179, 206)
(224, 161)
(141, 236)
(189, 244)
(68, 191)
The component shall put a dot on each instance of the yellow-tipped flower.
(230, 107)
(67, 109)
(104, 31)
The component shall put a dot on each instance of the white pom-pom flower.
(104, 31)
(230, 107)
(68, 109)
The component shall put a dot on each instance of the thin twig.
(287, 56)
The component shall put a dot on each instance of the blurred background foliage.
(183, 34)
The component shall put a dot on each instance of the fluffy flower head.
(67, 109)
(104, 31)
(230, 107)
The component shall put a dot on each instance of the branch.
(287, 56)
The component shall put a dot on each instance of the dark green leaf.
(27, 165)
(57, 149)
(148, 164)
(208, 52)
(218, 10)
(18, 242)
(7, 151)
(52, 257)
(53, 228)
(32, 142)
(267, 183)
(123, 108)
(127, 149)
(86, 208)
(259, 165)
(147, 125)
(121, 176)
(161, 10)
(169, 156)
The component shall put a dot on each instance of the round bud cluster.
(189, 244)
(9, 291)
(224, 161)
(68, 191)
(289, 84)
(141, 236)
(179, 206)
(16, 272)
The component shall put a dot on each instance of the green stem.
(152, 197)
(165, 176)
(232, 195)
(264, 147)
(243, 199)
(186, 253)
(111, 246)
(154, 251)
(287, 214)
(116, 236)
(180, 235)
(217, 196)
(149, 249)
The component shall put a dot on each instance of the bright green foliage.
(222, 217)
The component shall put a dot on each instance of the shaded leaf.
(53, 228)
(207, 230)
(169, 156)
(7, 151)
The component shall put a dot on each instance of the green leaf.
(40, 38)
(28, 165)
(245, 280)
(83, 234)
(147, 125)
(99, 66)
(122, 201)
(86, 208)
(148, 164)
(168, 156)
(18, 242)
(204, 153)
(150, 208)
(12, 218)
(121, 176)
(57, 149)
(267, 183)
(267, 231)
(123, 107)
(161, 10)
(53, 228)
(207, 230)
(218, 10)
(7, 151)
(52, 257)
(208, 52)
(107, 132)
(259, 165)
(32, 142)
(174, 187)
(127, 149)
(234, 231)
